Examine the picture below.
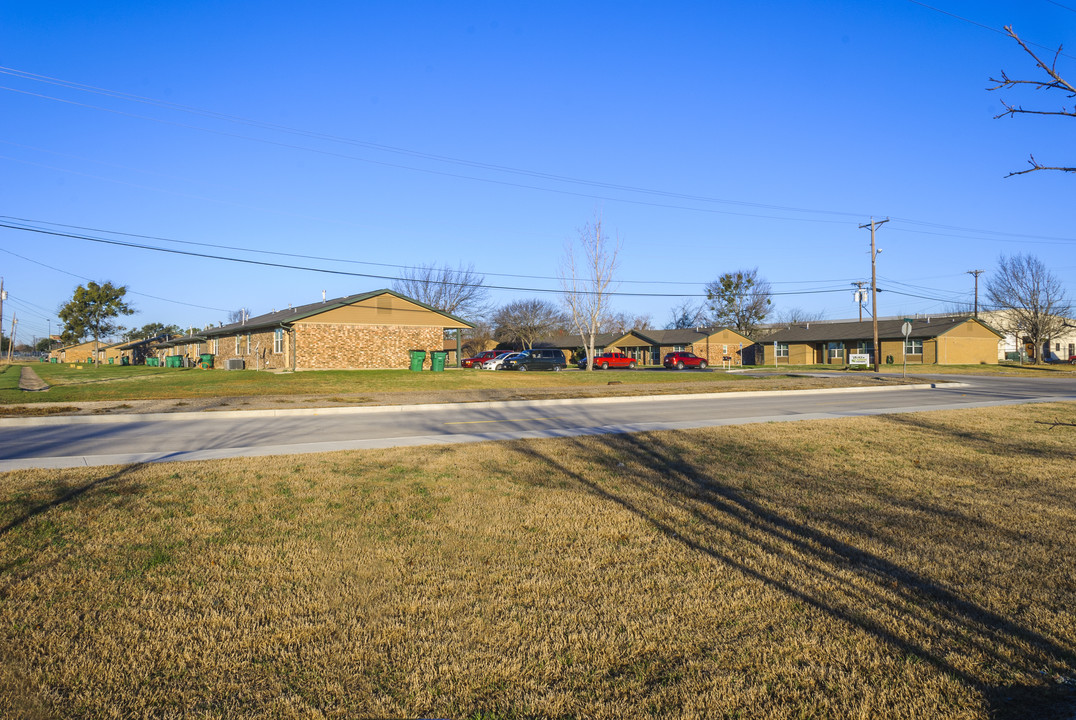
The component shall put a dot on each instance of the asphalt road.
(79, 441)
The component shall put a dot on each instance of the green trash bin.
(173, 361)
(207, 361)
(54, 360)
(125, 360)
(111, 361)
(437, 360)
(417, 358)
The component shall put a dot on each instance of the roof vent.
(808, 326)
(323, 296)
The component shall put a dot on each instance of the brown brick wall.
(261, 355)
(322, 346)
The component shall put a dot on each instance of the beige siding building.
(933, 341)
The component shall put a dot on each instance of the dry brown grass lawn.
(916, 566)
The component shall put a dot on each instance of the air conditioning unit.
(236, 364)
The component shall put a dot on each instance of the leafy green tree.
(44, 344)
(739, 300)
(92, 311)
(150, 330)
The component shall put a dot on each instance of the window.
(248, 344)
(278, 341)
(913, 347)
(1057, 347)
(782, 350)
(216, 346)
(836, 350)
(236, 344)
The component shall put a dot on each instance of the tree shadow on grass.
(707, 504)
(63, 493)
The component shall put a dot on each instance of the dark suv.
(536, 359)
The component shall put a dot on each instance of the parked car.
(536, 359)
(681, 360)
(615, 360)
(495, 363)
(477, 360)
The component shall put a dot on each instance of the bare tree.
(525, 321)
(687, 314)
(739, 300)
(1031, 300)
(460, 291)
(795, 315)
(238, 316)
(623, 322)
(587, 281)
(1052, 81)
(476, 339)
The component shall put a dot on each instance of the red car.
(610, 360)
(681, 360)
(480, 358)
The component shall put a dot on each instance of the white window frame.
(237, 345)
(781, 350)
(835, 350)
(911, 344)
(278, 341)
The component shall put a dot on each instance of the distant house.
(370, 330)
(933, 340)
(648, 347)
(717, 345)
(137, 351)
(1013, 345)
(86, 352)
(572, 345)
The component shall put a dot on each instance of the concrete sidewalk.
(30, 382)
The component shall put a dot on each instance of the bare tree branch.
(1055, 423)
(1056, 82)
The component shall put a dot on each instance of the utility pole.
(11, 339)
(860, 296)
(3, 297)
(976, 273)
(874, 288)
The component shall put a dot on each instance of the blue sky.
(710, 136)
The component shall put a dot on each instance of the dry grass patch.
(901, 567)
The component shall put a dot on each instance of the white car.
(495, 363)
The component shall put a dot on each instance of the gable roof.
(679, 336)
(300, 312)
(922, 328)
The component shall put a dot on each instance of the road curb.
(354, 410)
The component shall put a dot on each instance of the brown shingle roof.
(853, 330)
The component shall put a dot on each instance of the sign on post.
(857, 360)
(906, 328)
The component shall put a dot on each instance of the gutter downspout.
(290, 330)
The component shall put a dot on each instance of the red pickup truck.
(608, 360)
(477, 360)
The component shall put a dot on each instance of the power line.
(354, 262)
(329, 271)
(988, 27)
(82, 277)
(505, 183)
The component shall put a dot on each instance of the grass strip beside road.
(119, 384)
(904, 566)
